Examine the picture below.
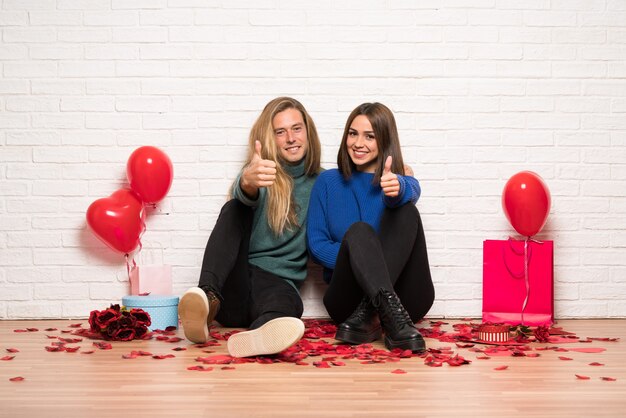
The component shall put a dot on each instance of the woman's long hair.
(281, 208)
(387, 140)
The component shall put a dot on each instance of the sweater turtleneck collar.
(295, 171)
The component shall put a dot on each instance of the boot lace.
(362, 310)
(398, 313)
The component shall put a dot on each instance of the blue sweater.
(336, 204)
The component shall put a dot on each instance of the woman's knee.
(359, 230)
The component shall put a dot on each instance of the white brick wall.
(481, 89)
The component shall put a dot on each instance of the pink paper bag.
(151, 279)
(515, 294)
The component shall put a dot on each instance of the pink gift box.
(151, 279)
(513, 294)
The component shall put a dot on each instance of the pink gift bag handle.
(519, 253)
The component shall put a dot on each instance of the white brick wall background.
(481, 89)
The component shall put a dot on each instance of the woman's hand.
(389, 181)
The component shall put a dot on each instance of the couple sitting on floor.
(359, 221)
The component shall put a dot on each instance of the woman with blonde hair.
(255, 258)
(364, 228)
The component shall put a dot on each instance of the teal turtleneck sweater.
(284, 255)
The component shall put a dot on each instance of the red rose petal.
(217, 359)
(228, 368)
(588, 350)
(75, 325)
(608, 379)
(103, 345)
(595, 363)
(337, 363)
(87, 352)
(7, 358)
(533, 355)
(501, 368)
(581, 377)
(163, 356)
(483, 358)
(16, 379)
(32, 329)
(72, 349)
(565, 358)
(144, 294)
(200, 368)
(13, 350)
(50, 329)
(20, 330)
(179, 349)
(321, 364)
(398, 371)
(54, 348)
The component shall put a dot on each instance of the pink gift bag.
(151, 279)
(518, 283)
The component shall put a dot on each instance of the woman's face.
(362, 145)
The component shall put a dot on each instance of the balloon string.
(127, 266)
(143, 230)
(526, 279)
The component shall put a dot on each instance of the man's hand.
(389, 181)
(258, 173)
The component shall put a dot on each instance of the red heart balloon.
(150, 173)
(118, 220)
(526, 202)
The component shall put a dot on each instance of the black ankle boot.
(363, 326)
(400, 331)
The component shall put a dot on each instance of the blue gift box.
(163, 310)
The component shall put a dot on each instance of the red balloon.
(150, 173)
(526, 202)
(118, 220)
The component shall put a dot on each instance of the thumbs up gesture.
(258, 173)
(389, 181)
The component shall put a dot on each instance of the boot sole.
(193, 310)
(415, 345)
(355, 337)
(272, 337)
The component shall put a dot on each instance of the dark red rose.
(124, 334)
(102, 319)
(141, 317)
(542, 333)
(92, 321)
(140, 332)
(126, 321)
(111, 329)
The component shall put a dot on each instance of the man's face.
(290, 133)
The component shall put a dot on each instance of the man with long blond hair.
(256, 256)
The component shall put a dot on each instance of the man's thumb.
(387, 168)
(257, 148)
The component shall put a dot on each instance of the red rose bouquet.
(120, 324)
